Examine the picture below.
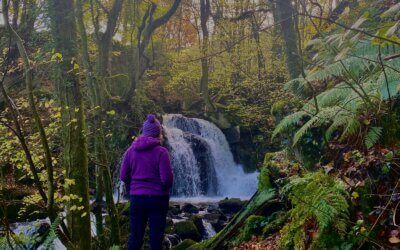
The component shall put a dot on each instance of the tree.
(145, 31)
(204, 16)
(285, 14)
(64, 31)
(96, 83)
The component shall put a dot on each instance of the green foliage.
(185, 244)
(253, 226)
(48, 243)
(373, 136)
(264, 181)
(317, 198)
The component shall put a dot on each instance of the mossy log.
(258, 204)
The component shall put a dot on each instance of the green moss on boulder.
(187, 230)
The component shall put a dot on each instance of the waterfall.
(209, 230)
(202, 160)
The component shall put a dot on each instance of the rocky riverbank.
(188, 222)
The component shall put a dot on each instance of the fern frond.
(351, 128)
(373, 136)
(315, 196)
(323, 117)
(299, 87)
(48, 244)
(289, 122)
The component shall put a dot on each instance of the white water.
(189, 177)
(210, 232)
(232, 181)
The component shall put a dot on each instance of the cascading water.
(202, 161)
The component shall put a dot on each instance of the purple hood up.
(146, 168)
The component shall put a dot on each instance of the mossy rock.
(174, 209)
(184, 244)
(187, 230)
(190, 208)
(232, 205)
(198, 222)
(169, 228)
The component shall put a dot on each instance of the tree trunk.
(146, 30)
(75, 153)
(204, 15)
(285, 14)
(98, 100)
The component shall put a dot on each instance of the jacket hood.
(145, 143)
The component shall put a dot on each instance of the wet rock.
(187, 230)
(232, 205)
(198, 222)
(189, 208)
(212, 208)
(173, 239)
(174, 210)
(215, 217)
(169, 227)
(217, 220)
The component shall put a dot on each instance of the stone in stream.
(232, 205)
(187, 230)
(173, 239)
(217, 220)
(174, 210)
(190, 208)
(198, 222)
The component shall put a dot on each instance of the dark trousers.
(145, 208)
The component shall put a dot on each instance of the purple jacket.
(146, 168)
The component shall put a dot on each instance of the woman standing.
(147, 174)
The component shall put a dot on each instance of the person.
(147, 174)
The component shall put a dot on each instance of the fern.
(315, 196)
(289, 122)
(299, 87)
(53, 235)
(372, 137)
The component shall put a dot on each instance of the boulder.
(184, 245)
(232, 205)
(212, 208)
(198, 222)
(174, 210)
(169, 227)
(187, 230)
(217, 220)
(190, 208)
(215, 217)
(173, 239)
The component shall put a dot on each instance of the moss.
(198, 222)
(187, 230)
(277, 220)
(269, 172)
(184, 244)
(264, 181)
(278, 107)
(253, 226)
